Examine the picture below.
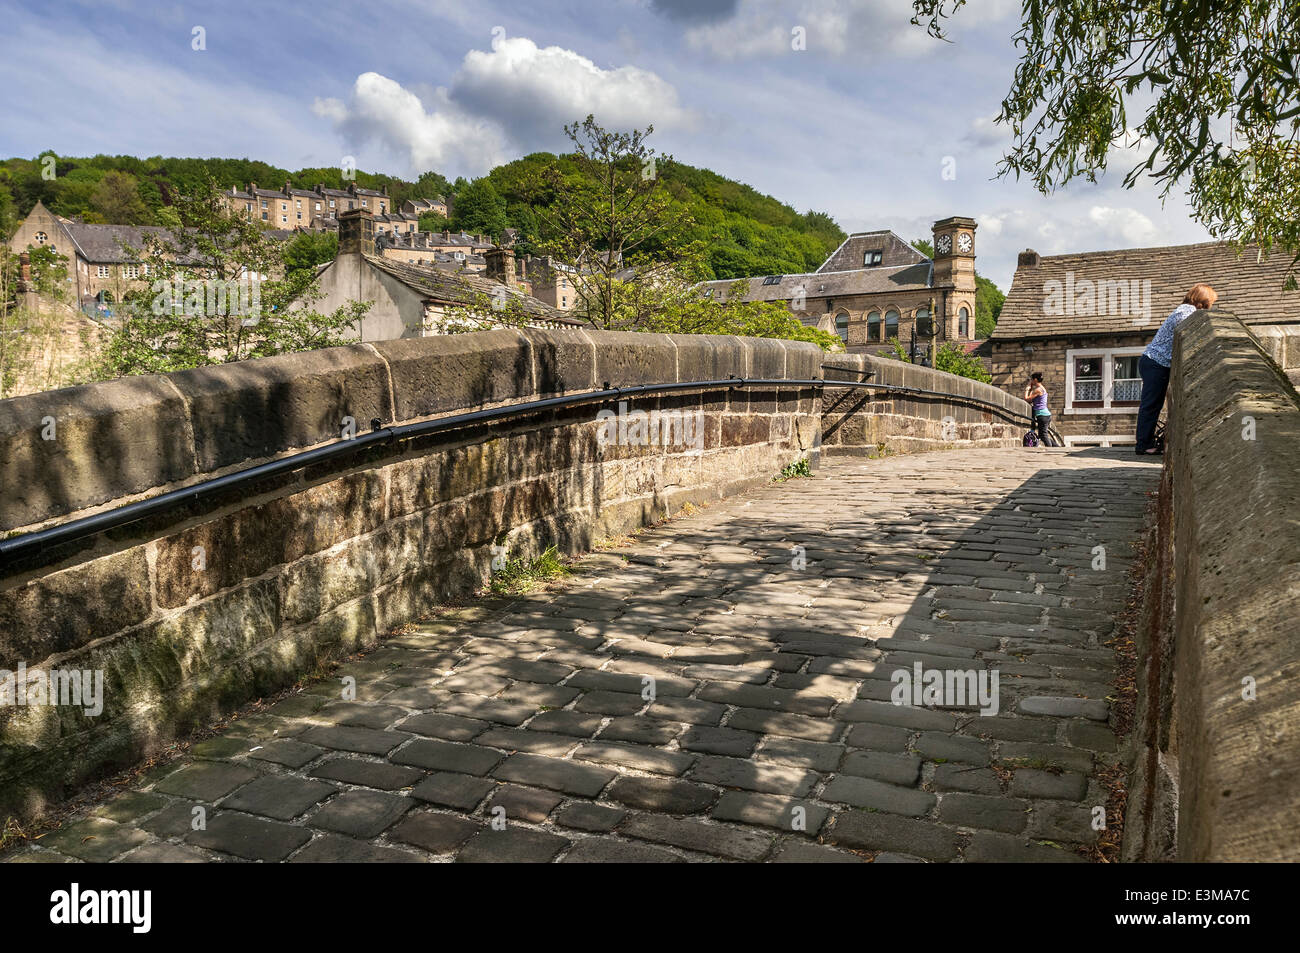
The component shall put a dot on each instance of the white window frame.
(1107, 356)
(1100, 440)
(101, 271)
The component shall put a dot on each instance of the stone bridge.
(937, 646)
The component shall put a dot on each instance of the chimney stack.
(356, 232)
(1028, 259)
(500, 265)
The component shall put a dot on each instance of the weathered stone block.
(107, 441)
(262, 408)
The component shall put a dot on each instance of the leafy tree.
(308, 250)
(73, 192)
(116, 199)
(479, 209)
(432, 222)
(680, 309)
(614, 219)
(1217, 80)
(485, 313)
(430, 185)
(988, 306)
(8, 213)
(950, 357)
(202, 309)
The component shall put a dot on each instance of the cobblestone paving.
(697, 696)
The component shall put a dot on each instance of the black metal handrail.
(30, 544)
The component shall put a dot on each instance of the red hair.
(1202, 296)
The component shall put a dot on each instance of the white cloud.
(837, 28)
(446, 138)
(1127, 225)
(986, 132)
(514, 98)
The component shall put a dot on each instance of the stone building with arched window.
(875, 286)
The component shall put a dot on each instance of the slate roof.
(107, 243)
(894, 251)
(461, 288)
(877, 280)
(1249, 288)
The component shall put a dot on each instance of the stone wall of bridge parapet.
(870, 422)
(1215, 756)
(193, 612)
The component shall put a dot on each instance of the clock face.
(943, 244)
(965, 242)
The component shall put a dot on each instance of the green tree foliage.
(613, 217)
(433, 222)
(950, 357)
(680, 309)
(116, 199)
(1217, 85)
(479, 209)
(192, 315)
(988, 306)
(744, 232)
(305, 252)
(430, 185)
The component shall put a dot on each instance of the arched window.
(920, 318)
(963, 323)
(42, 238)
(891, 324)
(842, 326)
(873, 326)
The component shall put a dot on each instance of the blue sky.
(859, 124)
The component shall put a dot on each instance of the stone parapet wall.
(867, 422)
(195, 612)
(1216, 757)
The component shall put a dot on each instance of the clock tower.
(954, 270)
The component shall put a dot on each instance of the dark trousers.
(1155, 381)
(1042, 422)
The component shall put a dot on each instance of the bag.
(1031, 439)
(1158, 441)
